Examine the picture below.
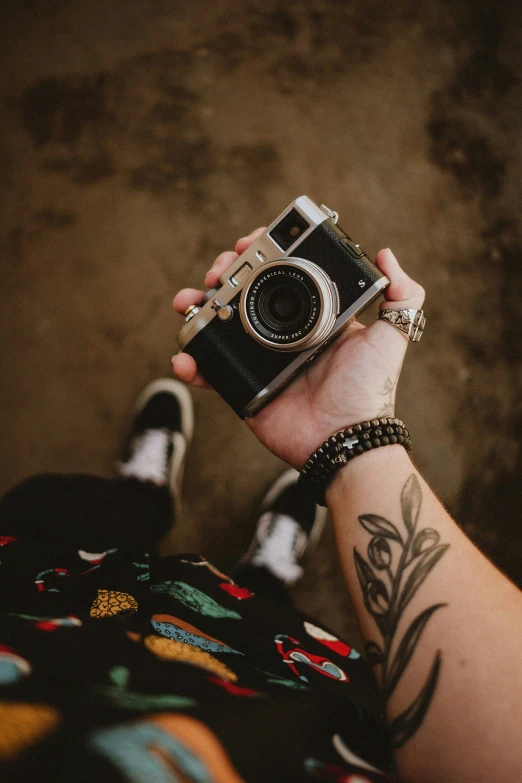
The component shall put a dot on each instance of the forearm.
(447, 624)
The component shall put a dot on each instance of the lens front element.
(285, 303)
(289, 304)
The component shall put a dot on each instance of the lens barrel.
(289, 304)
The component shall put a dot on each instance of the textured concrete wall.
(139, 138)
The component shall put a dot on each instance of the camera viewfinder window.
(291, 227)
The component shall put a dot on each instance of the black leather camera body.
(279, 305)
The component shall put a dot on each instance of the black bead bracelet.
(346, 444)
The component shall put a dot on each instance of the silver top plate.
(262, 251)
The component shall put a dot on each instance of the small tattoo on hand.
(388, 391)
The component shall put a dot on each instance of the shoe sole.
(181, 445)
(286, 479)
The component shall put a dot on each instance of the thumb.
(402, 293)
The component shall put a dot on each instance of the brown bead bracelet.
(346, 444)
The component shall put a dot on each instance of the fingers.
(244, 242)
(224, 260)
(402, 292)
(183, 365)
(185, 369)
(219, 266)
(185, 298)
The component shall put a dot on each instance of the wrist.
(348, 444)
(365, 468)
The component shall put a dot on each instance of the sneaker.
(160, 436)
(290, 525)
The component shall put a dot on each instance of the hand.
(353, 380)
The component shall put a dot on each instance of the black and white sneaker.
(160, 436)
(290, 525)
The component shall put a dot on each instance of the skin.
(343, 386)
(470, 728)
(468, 649)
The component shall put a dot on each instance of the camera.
(279, 305)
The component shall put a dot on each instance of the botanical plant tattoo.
(388, 392)
(406, 561)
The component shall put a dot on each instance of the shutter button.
(224, 312)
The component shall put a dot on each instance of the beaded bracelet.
(346, 444)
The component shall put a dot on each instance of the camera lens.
(284, 305)
(289, 305)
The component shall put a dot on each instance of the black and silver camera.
(279, 305)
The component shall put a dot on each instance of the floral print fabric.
(119, 666)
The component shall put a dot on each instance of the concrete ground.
(139, 139)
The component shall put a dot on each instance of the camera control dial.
(190, 312)
(210, 294)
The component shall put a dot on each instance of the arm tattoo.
(406, 560)
(388, 392)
